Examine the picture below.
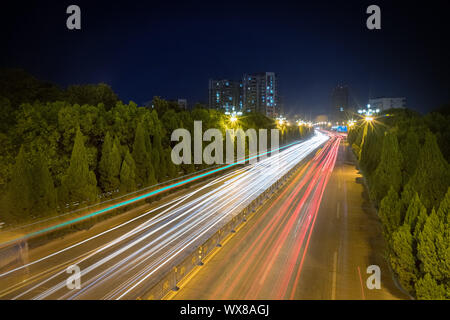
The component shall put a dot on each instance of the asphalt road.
(315, 240)
(129, 256)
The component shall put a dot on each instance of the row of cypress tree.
(409, 180)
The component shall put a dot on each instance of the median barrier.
(181, 271)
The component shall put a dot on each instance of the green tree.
(420, 223)
(371, 145)
(145, 174)
(157, 155)
(172, 169)
(402, 258)
(109, 166)
(444, 208)
(430, 239)
(127, 174)
(428, 289)
(389, 212)
(388, 172)
(79, 184)
(92, 94)
(444, 246)
(432, 174)
(43, 188)
(414, 211)
(20, 193)
(410, 147)
(407, 196)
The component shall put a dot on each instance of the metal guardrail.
(180, 269)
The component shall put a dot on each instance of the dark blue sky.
(170, 49)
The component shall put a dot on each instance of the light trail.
(282, 240)
(118, 268)
(144, 196)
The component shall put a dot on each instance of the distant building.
(339, 103)
(260, 93)
(225, 95)
(182, 104)
(387, 103)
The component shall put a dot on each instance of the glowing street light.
(281, 120)
(368, 118)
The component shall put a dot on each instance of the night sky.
(170, 49)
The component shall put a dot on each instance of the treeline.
(61, 149)
(404, 157)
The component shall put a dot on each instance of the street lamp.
(281, 120)
(368, 118)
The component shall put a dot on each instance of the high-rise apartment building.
(225, 95)
(260, 93)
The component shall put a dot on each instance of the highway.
(314, 240)
(264, 260)
(123, 261)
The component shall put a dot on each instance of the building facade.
(225, 95)
(387, 103)
(260, 93)
(257, 92)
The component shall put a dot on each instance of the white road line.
(337, 212)
(333, 288)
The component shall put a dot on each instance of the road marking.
(333, 288)
(337, 213)
(362, 286)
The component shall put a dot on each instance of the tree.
(410, 148)
(432, 173)
(127, 174)
(172, 170)
(145, 174)
(414, 211)
(402, 257)
(420, 223)
(370, 148)
(428, 289)
(157, 155)
(109, 166)
(79, 184)
(388, 172)
(43, 189)
(407, 196)
(444, 209)
(429, 240)
(92, 94)
(20, 193)
(443, 247)
(389, 212)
